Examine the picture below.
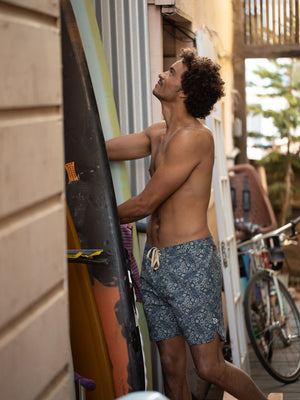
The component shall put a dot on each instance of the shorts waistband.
(182, 247)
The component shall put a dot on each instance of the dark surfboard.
(92, 204)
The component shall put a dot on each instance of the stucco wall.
(217, 16)
(34, 332)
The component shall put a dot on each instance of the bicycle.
(272, 317)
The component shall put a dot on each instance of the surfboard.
(89, 350)
(95, 56)
(92, 203)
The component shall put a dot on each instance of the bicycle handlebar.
(260, 236)
(292, 224)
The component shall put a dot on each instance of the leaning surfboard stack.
(96, 61)
(93, 211)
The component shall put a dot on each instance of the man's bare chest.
(159, 150)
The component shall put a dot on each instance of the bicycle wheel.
(275, 340)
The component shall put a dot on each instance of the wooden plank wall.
(34, 330)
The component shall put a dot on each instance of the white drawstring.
(153, 255)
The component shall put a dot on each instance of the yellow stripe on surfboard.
(83, 255)
(92, 44)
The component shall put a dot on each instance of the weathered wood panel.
(30, 260)
(31, 160)
(34, 332)
(30, 67)
(27, 350)
(49, 7)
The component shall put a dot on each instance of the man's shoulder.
(197, 133)
(157, 126)
(156, 129)
(202, 129)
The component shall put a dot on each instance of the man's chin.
(155, 94)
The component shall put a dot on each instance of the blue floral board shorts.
(181, 289)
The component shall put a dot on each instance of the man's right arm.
(135, 145)
(129, 147)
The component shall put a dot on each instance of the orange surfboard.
(89, 350)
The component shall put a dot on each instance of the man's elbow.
(146, 208)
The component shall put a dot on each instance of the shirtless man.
(181, 274)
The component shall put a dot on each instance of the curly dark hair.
(202, 83)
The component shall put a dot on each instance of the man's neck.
(176, 116)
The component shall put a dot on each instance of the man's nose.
(162, 75)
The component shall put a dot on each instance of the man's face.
(169, 83)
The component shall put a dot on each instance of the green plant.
(281, 80)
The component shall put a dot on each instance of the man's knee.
(173, 356)
(211, 371)
(172, 364)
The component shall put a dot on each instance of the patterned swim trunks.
(181, 289)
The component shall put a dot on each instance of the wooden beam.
(272, 51)
(285, 21)
(291, 23)
(273, 23)
(297, 22)
(261, 22)
(250, 22)
(267, 22)
(239, 76)
(255, 20)
(279, 21)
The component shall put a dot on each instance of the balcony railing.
(271, 22)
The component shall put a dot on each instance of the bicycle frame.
(271, 309)
(258, 253)
(272, 318)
